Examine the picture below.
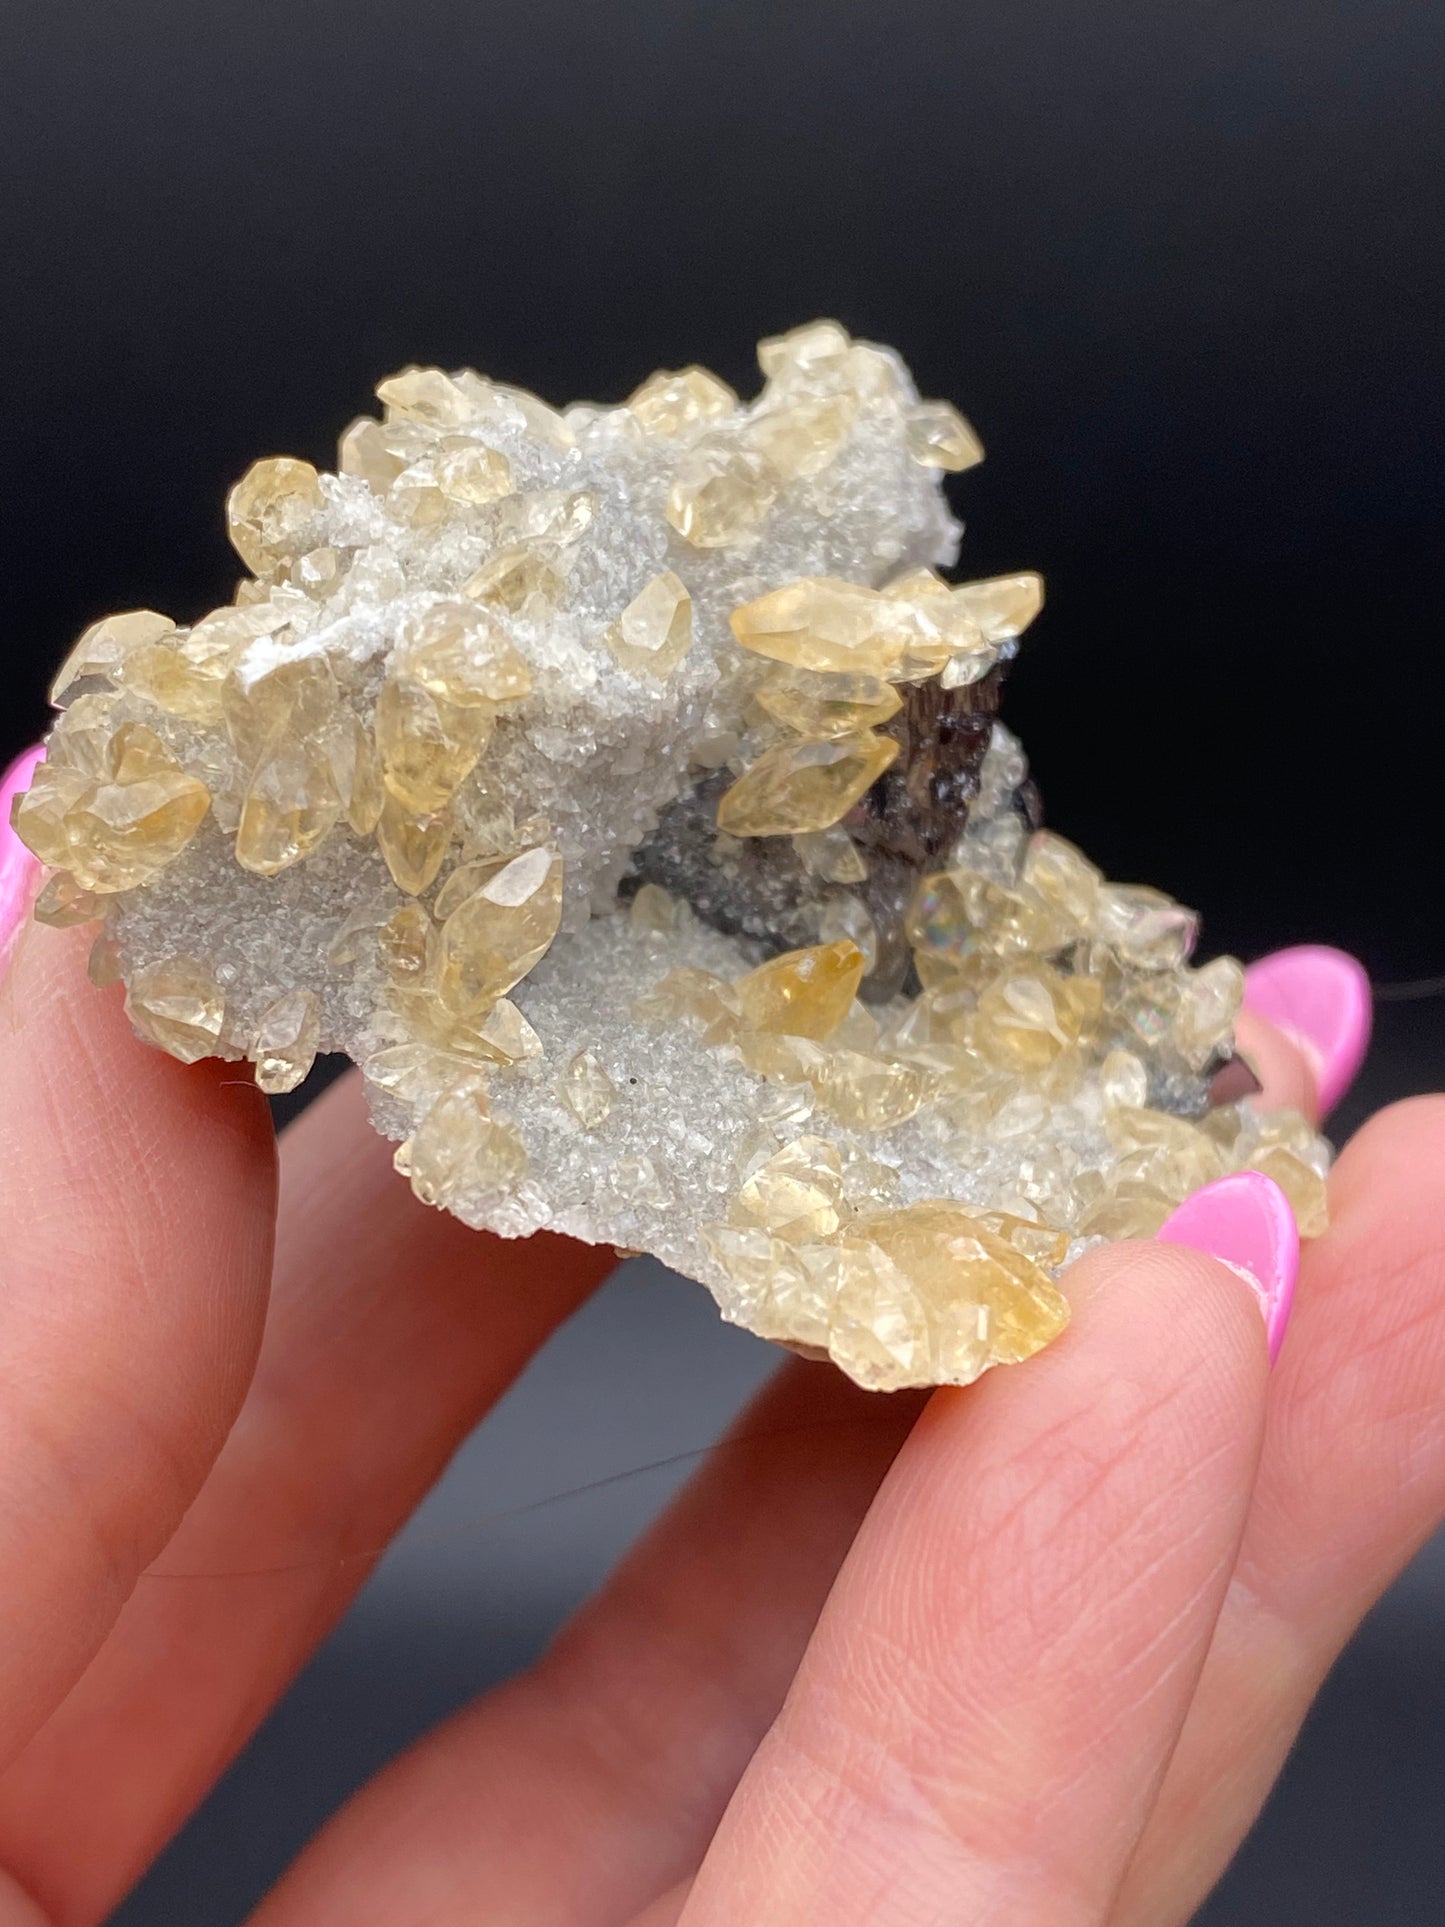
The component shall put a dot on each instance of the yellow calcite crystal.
(805, 993)
(668, 402)
(271, 509)
(819, 706)
(939, 437)
(493, 939)
(720, 495)
(654, 631)
(179, 1005)
(104, 647)
(587, 1090)
(286, 1042)
(800, 786)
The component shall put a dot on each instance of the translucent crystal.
(1003, 606)
(119, 832)
(492, 940)
(822, 705)
(820, 623)
(587, 1090)
(461, 654)
(63, 904)
(721, 493)
(180, 1006)
(653, 909)
(521, 579)
(939, 437)
(104, 646)
(654, 631)
(271, 510)
(1144, 927)
(290, 807)
(428, 746)
(805, 993)
(796, 787)
(797, 1195)
(286, 1041)
(803, 436)
(412, 845)
(459, 1151)
(832, 855)
(668, 402)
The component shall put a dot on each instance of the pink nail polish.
(1246, 1222)
(1320, 999)
(19, 870)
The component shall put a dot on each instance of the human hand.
(1033, 1651)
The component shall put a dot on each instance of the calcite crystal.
(622, 788)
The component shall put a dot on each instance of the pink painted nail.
(1245, 1221)
(19, 870)
(1320, 998)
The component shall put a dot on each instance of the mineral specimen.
(622, 788)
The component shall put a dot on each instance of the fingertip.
(1245, 1221)
(1319, 998)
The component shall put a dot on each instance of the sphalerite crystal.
(622, 788)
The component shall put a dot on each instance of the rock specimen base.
(622, 788)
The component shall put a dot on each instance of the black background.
(1182, 264)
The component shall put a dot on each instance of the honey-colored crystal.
(287, 1038)
(823, 624)
(832, 855)
(796, 787)
(720, 495)
(413, 846)
(118, 832)
(460, 653)
(1029, 1015)
(804, 993)
(271, 509)
(654, 631)
(180, 1006)
(804, 436)
(104, 646)
(290, 807)
(939, 437)
(669, 401)
(819, 706)
(866, 1091)
(63, 905)
(523, 580)
(493, 939)
(798, 1194)
(586, 1089)
(428, 746)
(459, 1152)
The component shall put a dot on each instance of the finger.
(982, 1717)
(137, 1207)
(1318, 999)
(393, 1327)
(1351, 1483)
(577, 1792)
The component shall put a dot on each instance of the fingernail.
(1246, 1222)
(1320, 999)
(19, 870)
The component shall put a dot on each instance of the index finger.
(137, 1208)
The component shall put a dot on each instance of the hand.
(1032, 1652)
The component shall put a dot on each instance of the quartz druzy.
(622, 788)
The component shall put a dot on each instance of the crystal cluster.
(622, 789)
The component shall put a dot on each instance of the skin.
(1030, 1652)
